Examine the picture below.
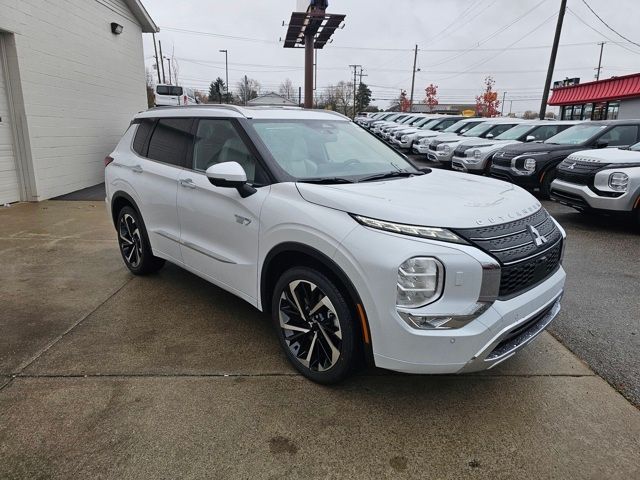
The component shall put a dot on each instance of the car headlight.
(477, 154)
(619, 181)
(432, 233)
(530, 164)
(425, 141)
(444, 148)
(404, 138)
(420, 282)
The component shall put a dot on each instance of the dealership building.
(72, 75)
(610, 99)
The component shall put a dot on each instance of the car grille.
(578, 172)
(503, 158)
(513, 244)
(433, 146)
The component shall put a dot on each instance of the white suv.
(354, 252)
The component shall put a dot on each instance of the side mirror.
(602, 144)
(530, 138)
(489, 135)
(230, 175)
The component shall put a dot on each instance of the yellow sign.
(468, 113)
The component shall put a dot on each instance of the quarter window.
(218, 141)
(171, 140)
(145, 126)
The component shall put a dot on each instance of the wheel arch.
(289, 254)
(119, 200)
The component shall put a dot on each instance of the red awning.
(602, 91)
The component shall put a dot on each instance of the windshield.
(635, 147)
(461, 126)
(479, 129)
(575, 135)
(423, 121)
(316, 149)
(168, 90)
(516, 132)
(430, 124)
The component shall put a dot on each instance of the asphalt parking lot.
(106, 375)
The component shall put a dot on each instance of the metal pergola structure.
(312, 30)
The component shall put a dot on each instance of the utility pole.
(226, 71)
(413, 78)
(599, 69)
(246, 90)
(504, 94)
(360, 84)
(552, 59)
(355, 67)
(169, 64)
(164, 80)
(155, 49)
(299, 96)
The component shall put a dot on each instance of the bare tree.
(286, 88)
(343, 97)
(247, 89)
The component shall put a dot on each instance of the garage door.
(9, 188)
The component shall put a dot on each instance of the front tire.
(545, 187)
(315, 325)
(134, 244)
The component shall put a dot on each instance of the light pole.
(226, 71)
(169, 63)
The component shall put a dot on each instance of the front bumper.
(528, 182)
(463, 165)
(581, 197)
(474, 346)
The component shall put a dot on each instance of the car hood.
(521, 148)
(606, 155)
(483, 142)
(438, 199)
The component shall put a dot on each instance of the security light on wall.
(116, 28)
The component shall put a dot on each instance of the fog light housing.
(619, 181)
(420, 282)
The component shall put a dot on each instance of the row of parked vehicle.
(588, 165)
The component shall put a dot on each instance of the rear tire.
(134, 243)
(315, 325)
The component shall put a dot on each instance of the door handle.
(136, 169)
(187, 183)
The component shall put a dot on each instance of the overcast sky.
(460, 42)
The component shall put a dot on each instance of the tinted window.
(624, 135)
(142, 133)
(218, 141)
(169, 90)
(498, 129)
(171, 140)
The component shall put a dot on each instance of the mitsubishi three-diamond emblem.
(538, 238)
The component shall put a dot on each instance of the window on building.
(599, 111)
(612, 110)
(577, 112)
(587, 111)
(171, 140)
(567, 110)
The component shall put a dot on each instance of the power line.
(608, 26)
(577, 17)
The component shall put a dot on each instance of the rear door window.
(171, 141)
(169, 90)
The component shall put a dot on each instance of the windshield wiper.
(395, 174)
(327, 180)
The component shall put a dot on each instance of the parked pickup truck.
(605, 180)
(474, 156)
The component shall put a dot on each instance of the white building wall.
(80, 84)
(629, 109)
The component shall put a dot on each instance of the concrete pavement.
(169, 377)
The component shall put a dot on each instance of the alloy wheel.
(130, 240)
(310, 325)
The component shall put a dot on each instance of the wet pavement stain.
(281, 444)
